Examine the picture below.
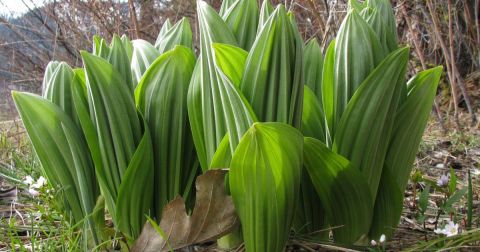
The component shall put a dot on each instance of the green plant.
(253, 91)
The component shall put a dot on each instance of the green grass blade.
(342, 190)
(161, 96)
(264, 182)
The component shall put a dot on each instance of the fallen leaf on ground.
(213, 216)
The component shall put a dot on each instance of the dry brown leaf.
(213, 216)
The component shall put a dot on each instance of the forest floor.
(28, 221)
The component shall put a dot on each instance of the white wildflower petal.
(382, 238)
(33, 192)
(42, 181)
(28, 180)
(373, 242)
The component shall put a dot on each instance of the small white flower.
(33, 192)
(450, 229)
(443, 180)
(28, 180)
(382, 238)
(373, 242)
(40, 183)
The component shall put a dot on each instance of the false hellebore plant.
(311, 143)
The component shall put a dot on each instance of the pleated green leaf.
(364, 130)
(135, 194)
(225, 6)
(410, 122)
(313, 68)
(313, 120)
(242, 18)
(161, 96)
(100, 47)
(144, 54)
(272, 81)
(167, 25)
(118, 57)
(179, 34)
(265, 11)
(115, 118)
(61, 151)
(310, 216)
(57, 84)
(80, 101)
(357, 53)
(231, 61)
(264, 182)
(379, 15)
(47, 76)
(127, 45)
(328, 91)
(342, 189)
(356, 5)
(215, 106)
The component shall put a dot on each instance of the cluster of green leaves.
(311, 142)
(96, 129)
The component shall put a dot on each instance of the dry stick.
(133, 16)
(39, 17)
(451, 77)
(477, 24)
(458, 79)
(417, 46)
(317, 15)
(101, 19)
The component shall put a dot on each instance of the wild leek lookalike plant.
(106, 131)
(311, 142)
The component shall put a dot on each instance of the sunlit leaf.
(364, 131)
(342, 189)
(161, 96)
(272, 80)
(144, 54)
(179, 34)
(264, 182)
(242, 18)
